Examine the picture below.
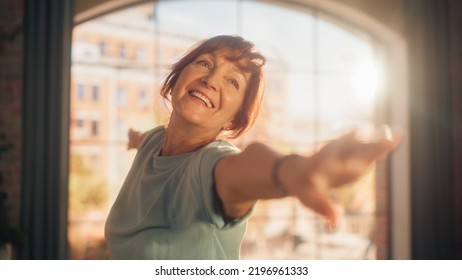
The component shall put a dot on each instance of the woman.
(189, 193)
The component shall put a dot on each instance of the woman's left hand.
(339, 162)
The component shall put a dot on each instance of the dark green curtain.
(47, 44)
(455, 15)
(431, 129)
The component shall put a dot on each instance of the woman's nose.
(211, 81)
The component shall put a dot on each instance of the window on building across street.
(95, 93)
(122, 51)
(143, 100)
(94, 128)
(102, 48)
(121, 97)
(80, 92)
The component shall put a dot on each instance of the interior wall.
(84, 5)
(455, 29)
(389, 12)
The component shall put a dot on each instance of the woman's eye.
(204, 63)
(234, 83)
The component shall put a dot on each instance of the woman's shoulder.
(154, 136)
(219, 148)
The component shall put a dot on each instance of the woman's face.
(209, 92)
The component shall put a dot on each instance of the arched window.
(324, 76)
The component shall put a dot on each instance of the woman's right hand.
(134, 139)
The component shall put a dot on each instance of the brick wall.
(455, 23)
(11, 92)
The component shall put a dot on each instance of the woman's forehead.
(235, 66)
(232, 57)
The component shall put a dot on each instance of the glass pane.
(198, 19)
(105, 103)
(338, 48)
(283, 35)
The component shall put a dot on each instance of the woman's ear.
(228, 126)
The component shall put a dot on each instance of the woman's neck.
(184, 140)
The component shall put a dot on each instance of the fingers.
(323, 207)
(384, 141)
(133, 140)
(342, 161)
(369, 146)
(330, 215)
(386, 134)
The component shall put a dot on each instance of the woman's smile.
(202, 98)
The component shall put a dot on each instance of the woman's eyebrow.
(235, 69)
(243, 77)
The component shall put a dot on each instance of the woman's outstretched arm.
(259, 172)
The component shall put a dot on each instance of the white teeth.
(201, 97)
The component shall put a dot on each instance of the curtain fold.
(455, 18)
(431, 129)
(47, 44)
